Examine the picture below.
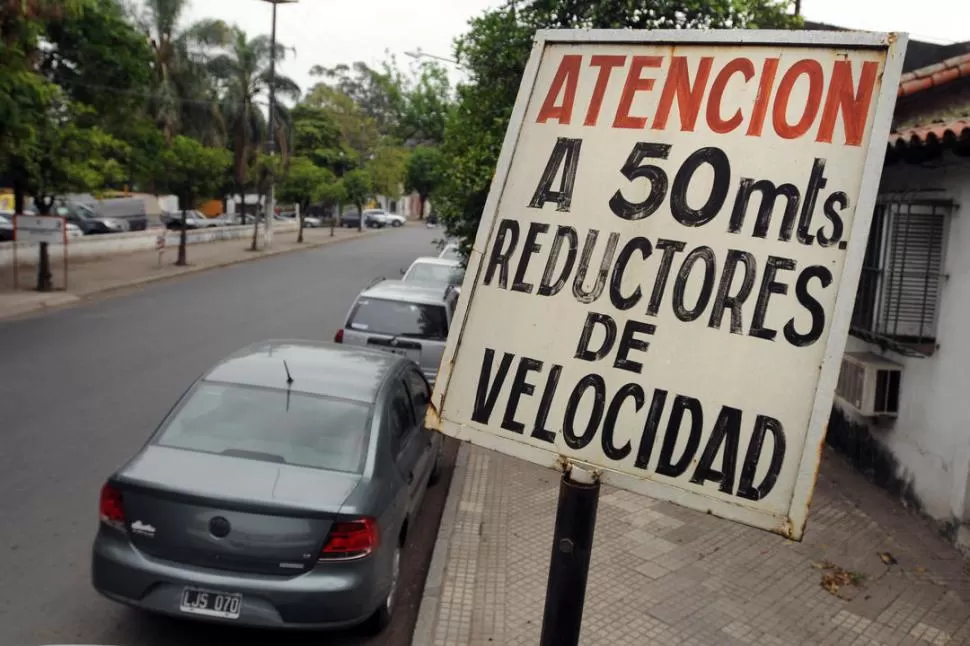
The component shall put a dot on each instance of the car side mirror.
(404, 271)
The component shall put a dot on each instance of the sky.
(328, 32)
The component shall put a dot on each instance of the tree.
(386, 168)
(192, 172)
(424, 173)
(359, 133)
(428, 103)
(262, 171)
(303, 184)
(378, 93)
(183, 98)
(243, 71)
(494, 53)
(99, 59)
(358, 188)
(317, 136)
(66, 157)
(330, 195)
(25, 95)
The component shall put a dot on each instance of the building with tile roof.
(902, 410)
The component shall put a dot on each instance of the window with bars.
(898, 299)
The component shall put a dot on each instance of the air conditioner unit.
(869, 383)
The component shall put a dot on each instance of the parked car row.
(280, 489)
(73, 230)
(197, 220)
(373, 218)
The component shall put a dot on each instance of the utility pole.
(270, 210)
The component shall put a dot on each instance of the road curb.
(71, 299)
(423, 634)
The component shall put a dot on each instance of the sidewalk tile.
(661, 574)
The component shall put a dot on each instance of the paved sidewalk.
(664, 575)
(91, 277)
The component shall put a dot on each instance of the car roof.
(317, 368)
(435, 260)
(398, 290)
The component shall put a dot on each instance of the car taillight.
(339, 336)
(112, 508)
(350, 539)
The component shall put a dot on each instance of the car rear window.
(433, 273)
(399, 318)
(271, 425)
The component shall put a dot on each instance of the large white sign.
(40, 228)
(663, 278)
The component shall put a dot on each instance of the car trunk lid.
(231, 513)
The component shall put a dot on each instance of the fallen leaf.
(919, 569)
(887, 558)
(836, 578)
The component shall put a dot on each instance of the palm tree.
(243, 71)
(184, 100)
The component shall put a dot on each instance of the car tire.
(396, 223)
(381, 618)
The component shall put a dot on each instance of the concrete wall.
(99, 246)
(925, 453)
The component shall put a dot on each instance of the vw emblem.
(219, 527)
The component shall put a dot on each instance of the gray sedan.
(277, 492)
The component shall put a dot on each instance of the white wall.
(99, 246)
(930, 439)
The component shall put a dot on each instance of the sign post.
(160, 247)
(572, 546)
(678, 222)
(42, 230)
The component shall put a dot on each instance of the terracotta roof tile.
(945, 133)
(934, 75)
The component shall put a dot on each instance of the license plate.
(210, 603)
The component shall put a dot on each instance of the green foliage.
(494, 53)
(242, 68)
(378, 93)
(99, 60)
(332, 193)
(66, 157)
(103, 93)
(425, 171)
(183, 98)
(193, 172)
(358, 187)
(386, 169)
(304, 182)
(427, 106)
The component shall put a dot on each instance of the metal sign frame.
(792, 523)
(62, 242)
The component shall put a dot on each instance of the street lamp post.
(270, 210)
(418, 55)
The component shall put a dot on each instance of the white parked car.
(435, 271)
(74, 231)
(396, 220)
(450, 252)
(375, 218)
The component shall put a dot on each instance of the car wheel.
(396, 223)
(381, 618)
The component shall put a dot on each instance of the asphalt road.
(81, 389)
